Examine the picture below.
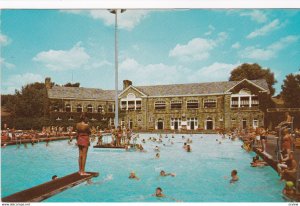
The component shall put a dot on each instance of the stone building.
(196, 106)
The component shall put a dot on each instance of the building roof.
(59, 92)
(195, 88)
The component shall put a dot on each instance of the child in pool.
(234, 177)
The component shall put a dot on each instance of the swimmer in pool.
(158, 193)
(188, 148)
(164, 174)
(184, 145)
(156, 148)
(133, 176)
(234, 177)
(157, 155)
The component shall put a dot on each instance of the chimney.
(126, 83)
(48, 83)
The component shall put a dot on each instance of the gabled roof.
(196, 88)
(208, 88)
(60, 92)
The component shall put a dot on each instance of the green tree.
(252, 72)
(291, 91)
(30, 100)
(77, 84)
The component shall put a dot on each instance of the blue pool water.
(200, 175)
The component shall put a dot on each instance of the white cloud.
(236, 45)
(151, 73)
(127, 20)
(14, 82)
(58, 60)
(265, 29)
(255, 15)
(211, 28)
(197, 49)
(5, 64)
(215, 72)
(4, 40)
(271, 51)
(161, 73)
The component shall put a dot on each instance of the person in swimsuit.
(287, 140)
(83, 142)
(158, 193)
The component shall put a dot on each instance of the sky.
(155, 46)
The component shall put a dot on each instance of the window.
(160, 105)
(210, 103)
(192, 104)
(131, 105)
(79, 108)
(255, 123)
(245, 102)
(100, 109)
(233, 119)
(175, 104)
(234, 102)
(68, 108)
(90, 108)
(111, 108)
(123, 105)
(255, 101)
(55, 108)
(138, 105)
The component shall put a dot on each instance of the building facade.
(197, 106)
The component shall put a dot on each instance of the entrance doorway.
(160, 124)
(192, 125)
(209, 124)
(130, 124)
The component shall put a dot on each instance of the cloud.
(14, 82)
(265, 29)
(127, 20)
(211, 28)
(58, 60)
(151, 73)
(4, 40)
(255, 15)
(236, 45)
(5, 64)
(271, 51)
(197, 49)
(161, 73)
(217, 71)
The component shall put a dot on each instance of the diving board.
(48, 189)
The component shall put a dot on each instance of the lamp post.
(115, 12)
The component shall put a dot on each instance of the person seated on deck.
(164, 174)
(291, 167)
(287, 122)
(188, 148)
(256, 162)
(157, 156)
(287, 140)
(284, 156)
(158, 192)
(100, 140)
(234, 176)
(54, 177)
(289, 189)
(132, 175)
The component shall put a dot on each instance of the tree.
(30, 101)
(77, 84)
(291, 91)
(252, 72)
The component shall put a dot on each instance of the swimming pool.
(200, 175)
